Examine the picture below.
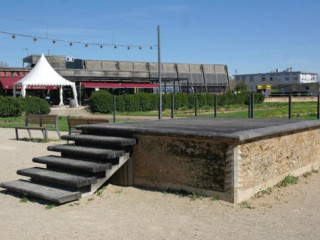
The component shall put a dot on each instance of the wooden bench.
(40, 122)
(73, 122)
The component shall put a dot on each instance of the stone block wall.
(265, 162)
(197, 165)
(233, 171)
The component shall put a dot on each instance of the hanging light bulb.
(34, 39)
(115, 46)
(140, 47)
(128, 47)
(70, 44)
(101, 46)
(53, 41)
(13, 36)
(86, 45)
(150, 47)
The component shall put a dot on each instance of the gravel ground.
(130, 213)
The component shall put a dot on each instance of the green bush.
(10, 107)
(121, 106)
(101, 101)
(35, 105)
(132, 103)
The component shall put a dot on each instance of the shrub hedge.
(35, 105)
(10, 107)
(102, 101)
(14, 107)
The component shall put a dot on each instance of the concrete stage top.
(239, 129)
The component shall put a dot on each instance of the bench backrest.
(33, 119)
(73, 122)
(42, 120)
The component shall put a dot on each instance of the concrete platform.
(232, 129)
(230, 158)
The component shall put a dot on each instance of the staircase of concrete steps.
(80, 170)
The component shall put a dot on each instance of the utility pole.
(159, 75)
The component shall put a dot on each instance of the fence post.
(172, 105)
(249, 107)
(215, 105)
(318, 107)
(290, 105)
(114, 108)
(252, 105)
(195, 107)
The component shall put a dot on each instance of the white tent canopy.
(44, 75)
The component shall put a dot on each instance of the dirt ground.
(130, 213)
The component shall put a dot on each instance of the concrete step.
(73, 164)
(100, 140)
(100, 153)
(58, 177)
(41, 191)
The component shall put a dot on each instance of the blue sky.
(248, 35)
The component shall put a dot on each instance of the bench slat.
(40, 122)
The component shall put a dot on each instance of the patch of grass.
(90, 199)
(195, 196)
(314, 170)
(119, 191)
(50, 206)
(183, 193)
(246, 205)
(100, 191)
(288, 180)
(180, 193)
(24, 200)
(214, 198)
(267, 191)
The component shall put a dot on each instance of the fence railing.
(251, 106)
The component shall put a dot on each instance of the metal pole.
(249, 107)
(114, 108)
(195, 107)
(172, 105)
(215, 105)
(318, 107)
(252, 105)
(290, 105)
(80, 94)
(159, 75)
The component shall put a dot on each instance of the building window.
(263, 78)
(271, 78)
(287, 77)
(243, 78)
(237, 78)
(251, 78)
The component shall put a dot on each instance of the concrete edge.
(241, 136)
(277, 130)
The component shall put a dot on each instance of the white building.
(284, 81)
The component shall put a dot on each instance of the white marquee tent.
(44, 75)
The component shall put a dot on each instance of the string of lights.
(71, 43)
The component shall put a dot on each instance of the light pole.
(159, 75)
